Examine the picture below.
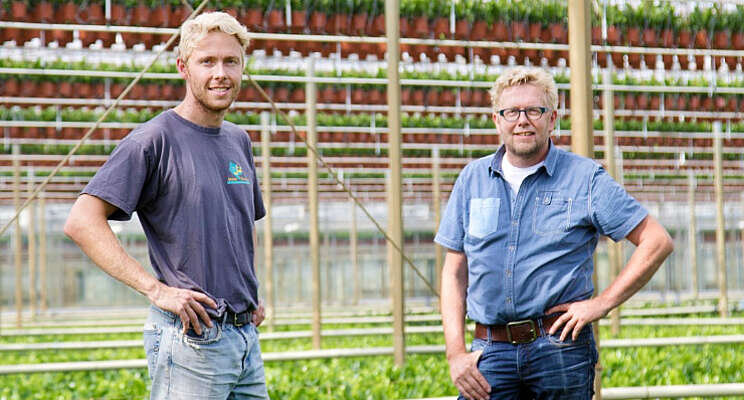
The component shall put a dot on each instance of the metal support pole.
(43, 299)
(395, 202)
(609, 145)
(354, 253)
(31, 209)
(437, 204)
(720, 220)
(268, 236)
(312, 193)
(579, 44)
(692, 234)
(18, 237)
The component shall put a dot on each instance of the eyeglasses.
(532, 113)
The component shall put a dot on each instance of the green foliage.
(376, 377)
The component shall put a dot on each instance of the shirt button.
(511, 248)
(508, 299)
(515, 223)
(508, 273)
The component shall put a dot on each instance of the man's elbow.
(666, 245)
(73, 227)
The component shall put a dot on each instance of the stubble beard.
(202, 100)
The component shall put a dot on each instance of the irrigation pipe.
(607, 343)
(373, 320)
(650, 392)
(100, 119)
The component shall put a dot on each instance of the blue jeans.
(544, 369)
(223, 363)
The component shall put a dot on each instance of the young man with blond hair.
(191, 178)
(521, 227)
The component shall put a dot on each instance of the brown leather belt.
(517, 332)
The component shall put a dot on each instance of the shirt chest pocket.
(484, 217)
(552, 213)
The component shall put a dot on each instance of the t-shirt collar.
(550, 161)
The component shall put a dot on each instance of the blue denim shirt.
(533, 250)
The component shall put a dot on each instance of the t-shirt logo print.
(237, 175)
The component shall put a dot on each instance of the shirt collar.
(551, 160)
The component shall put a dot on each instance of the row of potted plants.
(73, 114)
(283, 92)
(671, 79)
(647, 24)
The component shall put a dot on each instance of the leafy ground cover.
(377, 377)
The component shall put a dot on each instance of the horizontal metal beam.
(290, 335)
(650, 392)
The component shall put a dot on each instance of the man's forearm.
(654, 245)
(94, 236)
(454, 284)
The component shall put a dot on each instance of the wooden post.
(609, 145)
(43, 299)
(31, 209)
(692, 234)
(437, 205)
(312, 192)
(355, 253)
(579, 40)
(18, 237)
(720, 220)
(395, 201)
(268, 236)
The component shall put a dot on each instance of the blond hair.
(194, 30)
(525, 75)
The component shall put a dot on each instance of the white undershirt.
(515, 175)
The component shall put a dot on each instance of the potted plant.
(319, 16)
(736, 23)
(616, 22)
(377, 15)
(251, 15)
(555, 14)
(299, 16)
(699, 21)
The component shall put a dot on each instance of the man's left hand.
(258, 314)
(576, 316)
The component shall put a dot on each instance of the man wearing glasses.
(521, 226)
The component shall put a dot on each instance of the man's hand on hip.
(259, 314)
(466, 377)
(187, 304)
(576, 316)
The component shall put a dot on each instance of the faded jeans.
(544, 369)
(223, 363)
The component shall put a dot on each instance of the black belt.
(239, 319)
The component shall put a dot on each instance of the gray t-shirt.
(196, 193)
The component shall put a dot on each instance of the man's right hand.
(187, 304)
(466, 377)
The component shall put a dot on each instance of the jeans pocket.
(151, 335)
(208, 335)
(484, 217)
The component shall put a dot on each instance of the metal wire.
(343, 185)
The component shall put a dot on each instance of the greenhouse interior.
(349, 273)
